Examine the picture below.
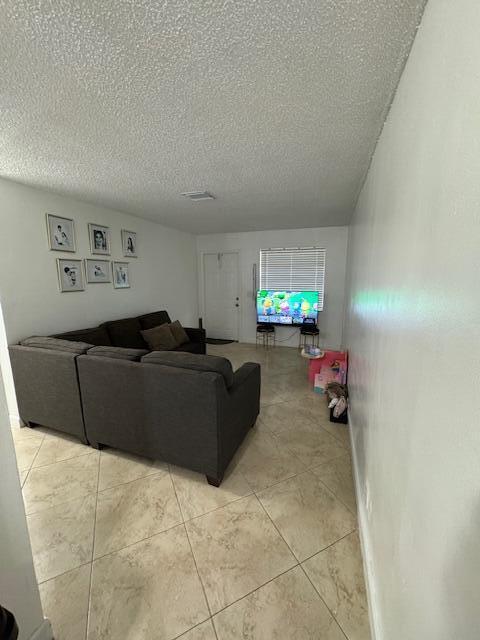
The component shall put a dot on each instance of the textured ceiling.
(272, 105)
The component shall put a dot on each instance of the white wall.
(413, 330)
(18, 584)
(164, 276)
(248, 245)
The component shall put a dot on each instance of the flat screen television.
(286, 307)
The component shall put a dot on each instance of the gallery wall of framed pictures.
(75, 273)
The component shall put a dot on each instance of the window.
(301, 269)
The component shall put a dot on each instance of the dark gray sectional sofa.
(126, 333)
(192, 411)
(187, 409)
(46, 386)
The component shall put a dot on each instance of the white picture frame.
(97, 271)
(70, 275)
(99, 239)
(61, 233)
(121, 274)
(129, 243)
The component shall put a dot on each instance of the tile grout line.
(90, 492)
(47, 464)
(253, 493)
(330, 491)
(59, 504)
(311, 470)
(82, 455)
(264, 584)
(275, 435)
(59, 575)
(122, 484)
(190, 545)
(22, 484)
(30, 436)
(312, 423)
(131, 544)
(296, 475)
(278, 443)
(321, 598)
(299, 563)
(354, 513)
(93, 553)
(295, 456)
(348, 450)
(200, 579)
(277, 529)
(332, 544)
(184, 633)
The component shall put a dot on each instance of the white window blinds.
(301, 269)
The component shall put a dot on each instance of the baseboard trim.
(365, 543)
(44, 631)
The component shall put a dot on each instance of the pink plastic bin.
(331, 368)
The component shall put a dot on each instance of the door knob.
(236, 304)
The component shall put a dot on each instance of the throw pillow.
(179, 332)
(160, 338)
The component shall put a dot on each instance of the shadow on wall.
(462, 582)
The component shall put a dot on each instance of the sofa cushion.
(125, 333)
(155, 319)
(179, 333)
(121, 353)
(191, 347)
(55, 344)
(96, 335)
(194, 361)
(160, 338)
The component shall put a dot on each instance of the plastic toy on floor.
(338, 405)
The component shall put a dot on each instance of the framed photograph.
(70, 275)
(121, 275)
(98, 270)
(99, 239)
(129, 243)
(61, 233)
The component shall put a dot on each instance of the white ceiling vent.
(198, 195)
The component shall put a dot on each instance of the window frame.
(318, 278)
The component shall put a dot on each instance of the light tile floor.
(130, 549)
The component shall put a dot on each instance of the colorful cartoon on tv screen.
(286, 307)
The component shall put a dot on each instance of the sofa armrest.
(46, 386)
(195, 334)
(238, 410)
(246, 371)
(244, 395)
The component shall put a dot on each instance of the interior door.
(221, 295)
